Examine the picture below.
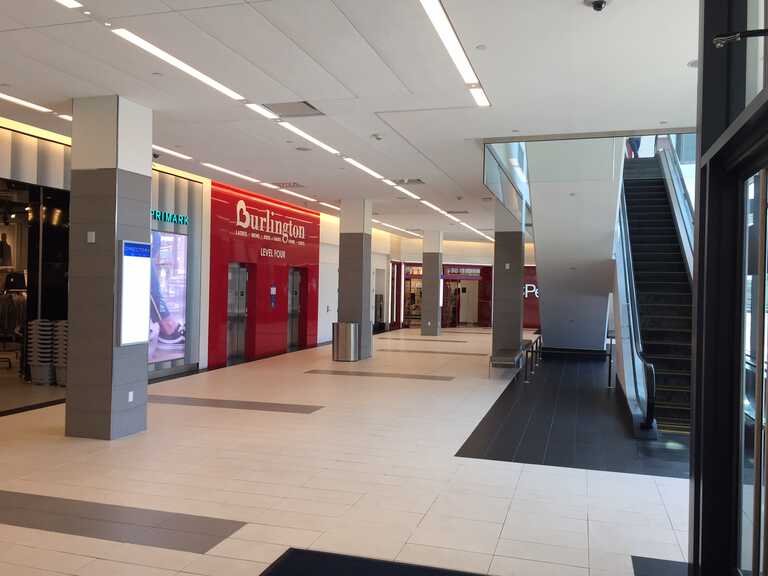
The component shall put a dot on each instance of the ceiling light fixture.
(393, 227)
(292, 193)
(480, 98)
(364, 168)
(451, 216)
(232, 173)
(24, 103)
(270, 186)
(476, 231)
(139, 42)
(171, 152)
(308, 137)
(442, 24)
(407, 192)
(331, 206)
(430, 205)
(266, 112)
(389, 182)
(69, 3)
(66, 117)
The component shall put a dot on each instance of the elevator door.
(294, 309)
(237, 312)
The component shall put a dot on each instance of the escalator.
(662, 290)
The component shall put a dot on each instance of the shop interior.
(34, 255)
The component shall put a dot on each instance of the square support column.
(431, 286)
(355, 270)
(109, 204)
(508, 268)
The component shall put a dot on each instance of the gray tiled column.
(432, 271)
(508, 263)
(109, 203)
(355, 270)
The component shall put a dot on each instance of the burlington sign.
(270, 223)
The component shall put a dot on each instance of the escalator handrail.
(649, 371)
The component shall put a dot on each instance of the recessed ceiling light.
(481, 47)
(232, 173)
(139, 42)
(663, 122)
(393, 227)
(331, 206)
(476, 231)
(480, 98)
(451, 216)
(172, 152)
(270, 186)
(266, 112)
(66, 117)
(308, 137)
(292, 193)
(430, 205)
(25, 103)
(107, 24)
(447, 34)
(407, 192)
(87, 12)
(69, 3)
(389, 182)
(364, 168)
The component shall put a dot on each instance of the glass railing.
(505, 174)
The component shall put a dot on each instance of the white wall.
(575, 198)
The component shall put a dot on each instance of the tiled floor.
(373, 473)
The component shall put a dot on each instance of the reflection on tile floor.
(371, 474)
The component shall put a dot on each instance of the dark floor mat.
(654, 567)
(567, 416)
(310, 563)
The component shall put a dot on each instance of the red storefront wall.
(530, 299)
(268, 256)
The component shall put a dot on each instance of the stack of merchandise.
(40, 351)
(60, 350)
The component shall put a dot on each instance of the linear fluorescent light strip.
(25, 103)
(292, 193)
(309, 137)
(70, 3)
(171, 152)
(397, 228)
(389, 182)
(479, 95)
(331, 206)
(66, 117)
(266, 112)
(364, 168)
(407, 192)
(476, 231)
(139, 42)
(232, 173)
(270, 186)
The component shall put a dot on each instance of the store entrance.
(295, 307)
(237, 312)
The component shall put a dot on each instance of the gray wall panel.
(432, 269)
(355, 286)
(508, 266)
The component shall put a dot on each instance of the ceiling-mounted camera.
(155, 155)
(598, 5)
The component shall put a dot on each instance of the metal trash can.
(346, 341)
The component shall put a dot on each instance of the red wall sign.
(269, 237)
(530, 299)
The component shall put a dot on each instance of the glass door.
(753, 377)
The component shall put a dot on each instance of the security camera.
(598, 5)
(155, 155)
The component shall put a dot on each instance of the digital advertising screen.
(168, 297)
(134, 292)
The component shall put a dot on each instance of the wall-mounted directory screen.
(135, 276)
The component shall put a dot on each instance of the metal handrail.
(649, 372)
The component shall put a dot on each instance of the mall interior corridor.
(241, 463)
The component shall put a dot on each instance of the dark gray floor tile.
(234, 404)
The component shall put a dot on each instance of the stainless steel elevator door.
(294, 308)
(237, 312)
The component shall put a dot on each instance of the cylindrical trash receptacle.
(346, 342)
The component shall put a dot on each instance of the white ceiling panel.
(39, 12)
(194, 4)
(322, 30)
(119, 8)
(247, 32)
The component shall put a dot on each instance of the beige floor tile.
(16, 570)
(457, 533)
(611, 562)
(43, 559)
(277, 535)
(543, 553)
(502, 566)
(445, 558)
(103, 567)
(471, 507)
(371, 542)
(218, 566)
(247, 550)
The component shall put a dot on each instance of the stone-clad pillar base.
(508, 267)
(432, 272)
(109, 204)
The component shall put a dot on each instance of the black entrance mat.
(310, 563)
(654, 567)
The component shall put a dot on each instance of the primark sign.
(170, 217)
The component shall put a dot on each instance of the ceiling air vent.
(409, 181)
(294, 109)
(288, 184)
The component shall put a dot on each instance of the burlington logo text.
(268, 223)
